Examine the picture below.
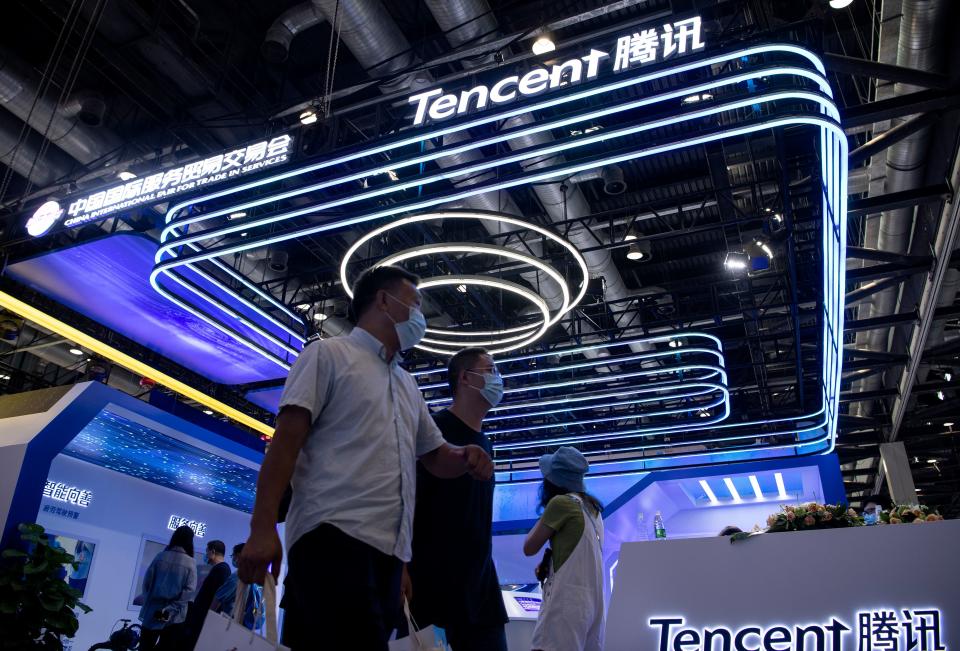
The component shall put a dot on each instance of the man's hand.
(261, 552)
(478, 462)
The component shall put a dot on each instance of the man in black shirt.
(452, 578)
(197, 612)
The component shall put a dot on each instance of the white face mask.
(492, 390)
(411, 331)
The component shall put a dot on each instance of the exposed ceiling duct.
(918, 48)
(276, 45)
(19, 95)
(23, 156)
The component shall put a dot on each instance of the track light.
(695, 98)
(76, 351)
(240, 214)
(840, 4)
(941, 395)
(308, 117)
(736, 261)
(126, 176)
(543, 45)
(319, 316)
(639, 251)
(462, 289)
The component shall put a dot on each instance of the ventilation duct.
(87, 106)
(54, 165)
(276, 45)
(19, 95)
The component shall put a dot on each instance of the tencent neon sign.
(641, 47)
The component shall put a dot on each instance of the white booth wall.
(122, 512)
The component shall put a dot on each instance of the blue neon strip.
(248, 224)
(833, 268)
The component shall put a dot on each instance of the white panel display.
(882, 588)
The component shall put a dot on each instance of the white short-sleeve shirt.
(357, 468)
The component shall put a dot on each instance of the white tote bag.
(222, 633)
(430, 638)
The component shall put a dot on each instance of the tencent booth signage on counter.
(882, 629)
(164, 185)
(644, 46)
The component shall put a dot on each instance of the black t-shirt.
(197, 613)
(454, 579)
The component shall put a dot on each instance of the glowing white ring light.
(501, 343)
(497, 284)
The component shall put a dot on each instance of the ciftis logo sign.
(646, 46)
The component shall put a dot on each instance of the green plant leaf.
(14, 553)
(51, 603)
(31, 568)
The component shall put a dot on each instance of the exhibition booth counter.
(877, 588)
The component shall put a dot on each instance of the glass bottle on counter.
(658, 528)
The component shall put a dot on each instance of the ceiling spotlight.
(698, 97)
(840, 4)
(76, 351)
(639, 251)
(948, 425)
(941, 395)
(302, 307)
(462, 289)
(736, 261)
(126, 176)
(630, 236)
(308, 117)
(543, 45)
(244, 234)
(237, 215)
(703, 413)
(393, 175)
(675, 343)
(948, 376)
(931, 460)
(320, 316)
(4, 377)
(208, 412)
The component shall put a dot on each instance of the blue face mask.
(411, 331)
(492, 390)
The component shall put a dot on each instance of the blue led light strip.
(528, 178)
(833, 148)
(608, 87)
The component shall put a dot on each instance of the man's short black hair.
(372, 281)
(460, 362)
(217, 547)
(237, 549)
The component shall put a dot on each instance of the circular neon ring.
(497, 283)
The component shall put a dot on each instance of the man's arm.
(449, 461)
(263, 549)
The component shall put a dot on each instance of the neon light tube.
(781, 489)
(709, 491)
(732, 489)
(756, 487)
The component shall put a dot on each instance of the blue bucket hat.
(565, 468)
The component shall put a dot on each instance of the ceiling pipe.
(299, 18)
(54, 165)
(19, 94)
(918, 48)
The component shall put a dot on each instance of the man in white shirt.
(351, 427)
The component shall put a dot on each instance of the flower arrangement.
(813, 516)
(909, 514)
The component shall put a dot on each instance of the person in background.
(215, 578)
(351, 426)
(224, 600)
(171, 576)
(454, 584)
(729, 530)
(571, 616)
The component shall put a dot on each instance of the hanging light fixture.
(639, 251)
(543, 45)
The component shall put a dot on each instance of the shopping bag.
(222, 633)
(430, 638)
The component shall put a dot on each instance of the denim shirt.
(171, 577)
